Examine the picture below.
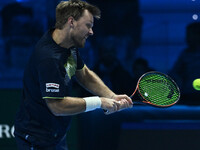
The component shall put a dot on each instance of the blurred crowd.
(110, 53)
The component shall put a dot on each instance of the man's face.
(82, 29)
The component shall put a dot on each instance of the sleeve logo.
(52, 87)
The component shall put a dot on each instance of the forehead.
(86, 17)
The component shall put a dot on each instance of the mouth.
(85, 37)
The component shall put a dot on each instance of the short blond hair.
(75, 9)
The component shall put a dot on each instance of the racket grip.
(137, 103)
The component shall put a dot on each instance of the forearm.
(94, 84)
(97, 86)
(67, 106)
(72, 105)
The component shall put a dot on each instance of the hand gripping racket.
(156, 89)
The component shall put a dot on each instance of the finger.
(115, 107)
(118, 105)
(126, 103)
(123, 103)
(129, 100)
(112, 109)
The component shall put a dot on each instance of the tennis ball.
(196, 84)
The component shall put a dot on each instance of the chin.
(82, 45)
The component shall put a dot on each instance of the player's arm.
(56, 102)
(90, 81)
(73, 105)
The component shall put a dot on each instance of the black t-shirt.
(47, 75)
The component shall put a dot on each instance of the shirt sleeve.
(52, 79)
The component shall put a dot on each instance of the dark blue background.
(154, 30)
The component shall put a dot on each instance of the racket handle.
(138, 103)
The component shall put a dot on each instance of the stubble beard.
(78, 42)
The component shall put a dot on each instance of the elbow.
(56, 113)
(63, 107)
(55, 108)
(59, 112)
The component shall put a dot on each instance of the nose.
(91, 31)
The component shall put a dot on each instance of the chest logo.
(52, 87)
(70, 67)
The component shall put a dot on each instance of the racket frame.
(143, 100)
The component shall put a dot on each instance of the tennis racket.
(156, 89)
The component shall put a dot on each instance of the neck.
(61, 38)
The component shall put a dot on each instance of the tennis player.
(44, 115)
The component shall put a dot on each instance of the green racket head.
(158, 89)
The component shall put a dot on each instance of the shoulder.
(46, 48)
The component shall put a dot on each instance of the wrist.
(92, 103)
(113, 96)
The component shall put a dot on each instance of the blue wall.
(162, 36)
(164, 30)
(157, 33)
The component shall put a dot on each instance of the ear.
(71, 21)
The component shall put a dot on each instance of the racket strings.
(158, 89)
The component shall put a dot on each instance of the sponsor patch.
(52, 87)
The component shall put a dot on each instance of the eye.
(89, 25)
